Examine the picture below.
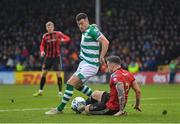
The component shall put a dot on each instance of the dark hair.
(81, 16)
(114, 59)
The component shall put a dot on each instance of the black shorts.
(100, 108)
(54, 63)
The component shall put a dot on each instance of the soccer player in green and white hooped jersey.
(91, 57)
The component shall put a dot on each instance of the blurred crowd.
(144, 34)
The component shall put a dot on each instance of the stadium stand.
(146, 32)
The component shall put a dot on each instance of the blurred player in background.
(114, 103)
(50, 50)
(91, 57)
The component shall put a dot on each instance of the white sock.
(40, 91)
(60, 93)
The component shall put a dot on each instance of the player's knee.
(70, 82)
(73, 81)
(44, 73)
(59, 78)
(58, 74)
(87, 109)
(95, 95)
(78, 86)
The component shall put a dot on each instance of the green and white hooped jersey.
(90, 47)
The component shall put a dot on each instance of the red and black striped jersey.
(124, 77)
(50, 43)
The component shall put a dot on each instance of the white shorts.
(85, 70)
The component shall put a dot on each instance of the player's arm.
(104, 47)
(137, 91)
(64, 38)
(121, 97)
(98, 36)
(42, 47)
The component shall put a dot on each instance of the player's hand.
(102, 60)
(137, 108)
(42, 54)
(120, 113)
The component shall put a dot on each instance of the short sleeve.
(95, 33)
(43, 37)
(59, 34)
(115, 79)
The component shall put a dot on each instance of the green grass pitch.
(18, 105)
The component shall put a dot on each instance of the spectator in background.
(133, 67)
(172, 70)
(10, 64)
(19, 67)
(134, 27)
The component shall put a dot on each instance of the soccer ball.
(77, 104)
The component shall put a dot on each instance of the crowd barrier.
(155, 77)
(143, 77)
(33, 77)
(29, 77)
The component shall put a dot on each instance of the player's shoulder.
(116, 74)
(127, 75)
(44, 35)
(57, 32)
(115, 77)
(93, 27)
(93, 31)
(124, 72)
(121, 73)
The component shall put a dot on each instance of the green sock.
(66, 97)
(86, 90)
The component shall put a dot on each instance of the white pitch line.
(39, 109)
(153, 98)
(29, 109)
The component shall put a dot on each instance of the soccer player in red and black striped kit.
(113, 103)
(50, 50)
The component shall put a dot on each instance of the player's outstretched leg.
(42, 83)
(85, 90)
(95, 97)
(66, 97)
